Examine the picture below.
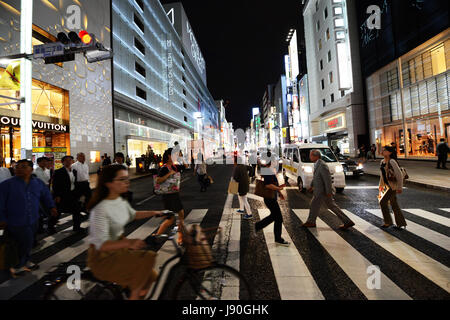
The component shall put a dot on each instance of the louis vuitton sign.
(39, 125)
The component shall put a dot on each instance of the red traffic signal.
(85, 37)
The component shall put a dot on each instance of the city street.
(322, 263)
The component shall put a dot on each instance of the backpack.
(391, 175)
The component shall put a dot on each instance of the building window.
(182, 52)
(139, 69)
(339, 23)
(337, 11)
(318, 25)
(332, 97)
(438, 60)
(321, 64)
(330, 77)
(322, 84)
(327, 34)
(185, 105)
(141, 93)
(329, 56)
(185, 119)
(183, 66)
(340, 35)
(320, 44)
(342, 93)
(184, 78)
(138, 22)
(325, 13)
(138, 45)
(140, 3)
(324, 103)
(184, 92)
(317, 6)
(337, 1)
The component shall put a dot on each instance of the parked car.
(351, 167)
(298, 167)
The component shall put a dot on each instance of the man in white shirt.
(82, 186)
(41, 172)
(4, 172)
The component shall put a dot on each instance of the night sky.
(243, 43)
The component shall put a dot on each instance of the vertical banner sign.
(170, 74)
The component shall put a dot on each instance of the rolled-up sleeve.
(99, 228)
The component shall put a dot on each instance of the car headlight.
(360, 167)
(263, 161)
(307, 169)
(339, 168)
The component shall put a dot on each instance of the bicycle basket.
(198, 253)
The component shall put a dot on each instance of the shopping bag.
(262, 191)
(382, 193)
(233, 187)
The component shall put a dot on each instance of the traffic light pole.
(26, 76)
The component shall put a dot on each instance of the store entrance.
(137, 148)
(9, 147)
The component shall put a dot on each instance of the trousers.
(442, 159)
(24, 236)
(275, 216)
(316, 204)
(391, 197)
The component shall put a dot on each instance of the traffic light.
(69, 44)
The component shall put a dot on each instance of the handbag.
(233, 187)
(170, 186)
(262, 191)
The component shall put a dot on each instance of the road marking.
(57, 237)
(351, 261)
(430, 268)
(167, 250)
(421, 231)
(430, 216)
(294, 280)
(445, 209)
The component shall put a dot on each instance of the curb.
(421, 184)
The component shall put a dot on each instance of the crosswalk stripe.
(294, 280)
(351, 261)
(167, 250)
(430, 216)
(430, 268)
(421, 231)
(445, 209)
(51, 240)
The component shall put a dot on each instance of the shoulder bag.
(262, 191)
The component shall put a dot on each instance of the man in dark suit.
(65, 194)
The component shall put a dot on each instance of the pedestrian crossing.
(293, 275)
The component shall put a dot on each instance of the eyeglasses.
(124, 179)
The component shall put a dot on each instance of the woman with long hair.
(171, 201)
(392, 179)
(111, 256)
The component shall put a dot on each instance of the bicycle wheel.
(90, 289)
(218, 282)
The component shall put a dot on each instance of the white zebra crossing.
(430, 216)
(351, 261)
(430, 268)
(445, 209)
(294, 279)
(430, 235)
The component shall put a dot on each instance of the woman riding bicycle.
(111, 256)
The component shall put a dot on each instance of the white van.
(298, 167)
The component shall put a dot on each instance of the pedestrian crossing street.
(295, 280)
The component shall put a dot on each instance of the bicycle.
(199, 276)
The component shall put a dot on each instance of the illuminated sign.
(295, 102)
(293, 54)
(344, 66)
(170, 75)
(40, 125)
(337, 122)
(255, 111)
(287, 67)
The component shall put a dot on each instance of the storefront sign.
(334, 123)
(15, 122)
(47, 149)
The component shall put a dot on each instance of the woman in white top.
(111, 256)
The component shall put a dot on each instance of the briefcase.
(262, 191)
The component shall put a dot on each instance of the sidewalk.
(131, 173)
(422, 173)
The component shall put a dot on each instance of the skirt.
(172, 202)
(127, 268)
